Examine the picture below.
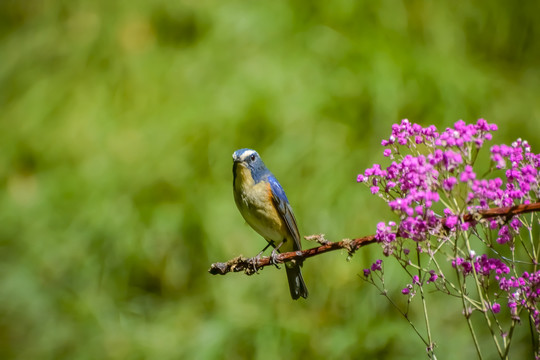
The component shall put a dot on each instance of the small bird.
(265, 207)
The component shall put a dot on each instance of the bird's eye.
(252, 157)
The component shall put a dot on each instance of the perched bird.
(265, 207)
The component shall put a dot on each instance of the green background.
(117, 124)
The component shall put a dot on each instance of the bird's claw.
(254, 263)
(273, 258)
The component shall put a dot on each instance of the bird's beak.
(235, 169)
(237, 160)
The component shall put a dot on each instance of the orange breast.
(257, 207)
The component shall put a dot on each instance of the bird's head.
(250, 160)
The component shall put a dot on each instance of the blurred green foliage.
(118, 121)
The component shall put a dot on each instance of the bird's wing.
(285, 211)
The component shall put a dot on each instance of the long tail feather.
(296, 282)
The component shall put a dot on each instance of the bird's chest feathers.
(254, 200)
(249, 194)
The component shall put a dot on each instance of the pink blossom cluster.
(412, 183)
(483, 265)
(522, 177)
(432, 184)
(376, 266)
(524, 292)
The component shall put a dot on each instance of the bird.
(263, 204)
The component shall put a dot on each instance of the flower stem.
(462, 287)
(431, 352)
(481, 296)
(467, 315)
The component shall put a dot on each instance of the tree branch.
(252, 265)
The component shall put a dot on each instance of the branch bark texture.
(252, 265)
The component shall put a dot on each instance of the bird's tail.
(296, 281)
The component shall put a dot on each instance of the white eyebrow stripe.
(247, 154)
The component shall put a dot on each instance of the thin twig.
(252, 265)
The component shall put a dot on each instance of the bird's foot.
(273, 258)
(255, 262)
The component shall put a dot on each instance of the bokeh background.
(117, 124)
